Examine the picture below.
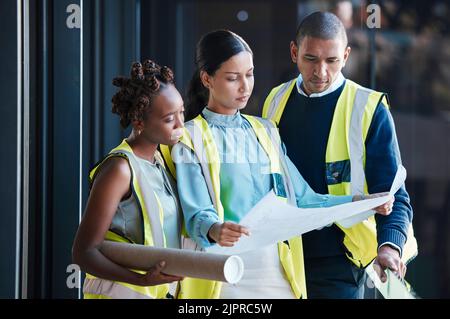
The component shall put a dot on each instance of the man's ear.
(294, 52)
(346, 55)
(206, 79)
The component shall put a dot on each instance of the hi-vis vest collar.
(152, 215)
(345, 159)
(198, 137)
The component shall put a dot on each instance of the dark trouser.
(334, 277)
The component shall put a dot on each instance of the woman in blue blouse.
(220, 88)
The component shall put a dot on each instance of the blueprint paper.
(272, 220)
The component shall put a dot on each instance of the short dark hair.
(322, 25)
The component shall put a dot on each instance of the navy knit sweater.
(304, 128)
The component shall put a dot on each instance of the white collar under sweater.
(333, 87)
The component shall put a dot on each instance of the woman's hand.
(227, 233)
(384, 209)
(155, 277)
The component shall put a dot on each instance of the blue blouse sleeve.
(306, 196)
(198, 209)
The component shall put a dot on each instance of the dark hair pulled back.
(213, 49)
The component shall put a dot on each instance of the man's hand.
(226, 234)
(389, 257)
(384, 209)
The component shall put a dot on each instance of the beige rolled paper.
(179, 262)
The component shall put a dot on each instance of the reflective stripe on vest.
(201, 141)
(152, 216)
(206, 151)
(166, 152)
(356, 143)
(345, 160)
(276, 101)
(291, 254)
(96, 288)
(270, 140)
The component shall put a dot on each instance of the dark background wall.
(9, 162)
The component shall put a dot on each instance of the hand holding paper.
(227, 233)
(399, 180)
(271, 220)
(392, 288)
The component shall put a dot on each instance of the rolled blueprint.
(179, 262)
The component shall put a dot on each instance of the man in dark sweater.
(308, 110)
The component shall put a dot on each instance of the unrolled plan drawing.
(272, 220)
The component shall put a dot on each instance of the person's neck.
(304, 89)
(221, 110)
(142, 148)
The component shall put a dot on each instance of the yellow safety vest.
(152, 216)
(345, 160)
(199, 138)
